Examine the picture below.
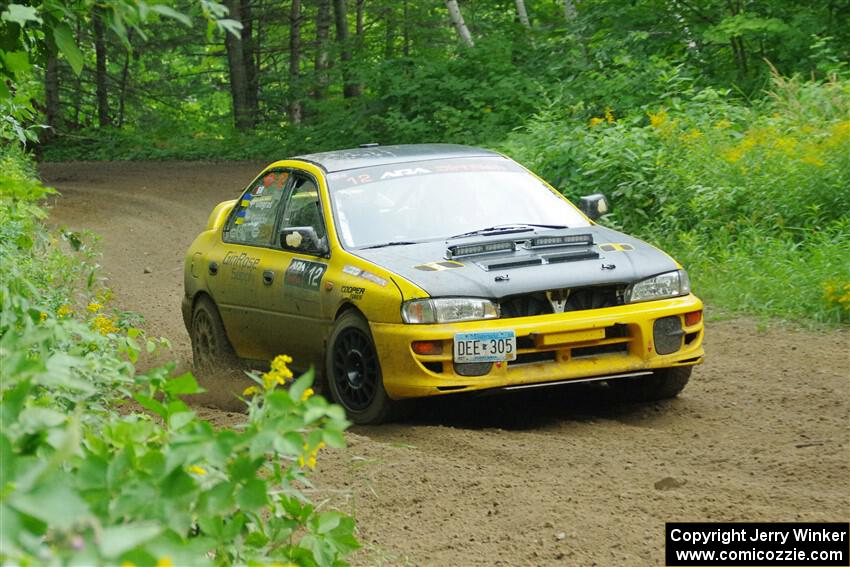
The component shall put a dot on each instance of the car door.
(243, 270)
(297, 305)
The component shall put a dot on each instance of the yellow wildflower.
(306, 395)
(734, 154)
(609, 115)
(104, 325)
(128, 564)
(838, 134)
(197, 470)
(837, 293)
(657, 119)
(813, 160)
(692, 136)
(94, 307)
(42, 317)
(279, 372)
(165, 561)
(250, 391)
(596, 121)
(64, 311)
(310, 459)
(785, 145)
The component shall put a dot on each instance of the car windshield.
(400, 204)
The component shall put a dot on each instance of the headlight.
(448, 310)
(671, 284)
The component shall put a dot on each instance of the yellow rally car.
(410, 271)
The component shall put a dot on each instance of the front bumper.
(550, 348)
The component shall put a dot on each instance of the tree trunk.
(522, 13)
(295, 108)
(242, 115)
(349, 88)
(78, 83)
(740, 53)
(570, 12)
(405, 47)
(460, 26)
(389, 33)
(100, 69)
(122, 94)
(51, 90)
(320, 64)
(358, 22)
(249, 52)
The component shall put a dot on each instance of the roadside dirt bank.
(552, 477)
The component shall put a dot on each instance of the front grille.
(578, 299)
(531, 357)
(619, 348)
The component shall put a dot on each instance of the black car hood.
(426, 264)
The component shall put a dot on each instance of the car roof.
(341, 160)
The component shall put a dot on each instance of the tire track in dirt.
(552, 477)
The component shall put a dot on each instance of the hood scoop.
(503, 263)
(572, 256)
(537, 260)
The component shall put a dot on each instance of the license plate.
(486, 346)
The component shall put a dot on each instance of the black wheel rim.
(355, 369)
(204, 345)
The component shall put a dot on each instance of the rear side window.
(253, 219)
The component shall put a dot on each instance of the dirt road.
(553, 477)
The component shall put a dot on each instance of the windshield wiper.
(506, 229)
(385, 244)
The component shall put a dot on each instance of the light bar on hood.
(560, 240)
(460, 250)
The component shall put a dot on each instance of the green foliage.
(752, 199)
(87, 478)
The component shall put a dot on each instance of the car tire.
(211, 349)
(353, 372)
(660, 385)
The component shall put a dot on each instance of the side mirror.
(303, 239)
(594, 206)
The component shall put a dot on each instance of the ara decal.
(304, 274)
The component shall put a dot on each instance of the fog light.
(428, 347)
(693, 318)
(667, 334)
(472, 368)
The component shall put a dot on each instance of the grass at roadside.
(752, 199)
